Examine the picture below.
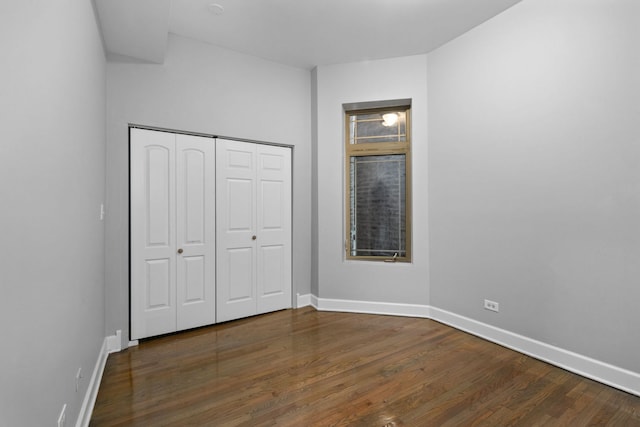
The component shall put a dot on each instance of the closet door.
(253, 190)
(236, 229)
(195, 229)
(274, 228)
(153, 233)
(172, 232)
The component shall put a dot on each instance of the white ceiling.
(301, 33)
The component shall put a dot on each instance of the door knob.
(253, 237)
(180, 251)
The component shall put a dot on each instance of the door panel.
(157, 284)
(195, 196)
(272, 198)
(152, 233)
(235, 228)
(239, 205)
(195, 183)
(239, 156)
(240, 275)
(194, 280)
(272, 269)
(274, 228)
(158, 161)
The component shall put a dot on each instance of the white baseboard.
(314, 301)
(109, 345)
(303, 300)
(114, 342)
(597, 370)
(386, 308)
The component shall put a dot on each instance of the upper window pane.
(388, 126)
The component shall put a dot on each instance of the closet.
(253, 189)
(210, 230)
(172, 232)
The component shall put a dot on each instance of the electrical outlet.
(491, 305)
(63, 416)
(78, 376)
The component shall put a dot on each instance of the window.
(378, 183)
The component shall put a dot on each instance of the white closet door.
(236, 229)
(153, 260)
(274, 228)
(195, 227)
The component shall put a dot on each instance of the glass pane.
(378, 205)
(389, 126)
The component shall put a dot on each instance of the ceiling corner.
(136, 29)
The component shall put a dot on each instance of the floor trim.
(303, 300)
(110, 344)
(597, 370)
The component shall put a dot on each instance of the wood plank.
(308, 368)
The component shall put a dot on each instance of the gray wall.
(314, 183)
(52, 155)
(534, 175)
(398, 78)
(203, 88)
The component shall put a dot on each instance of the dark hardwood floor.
(308, 368)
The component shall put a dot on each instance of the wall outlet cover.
(491, 305)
